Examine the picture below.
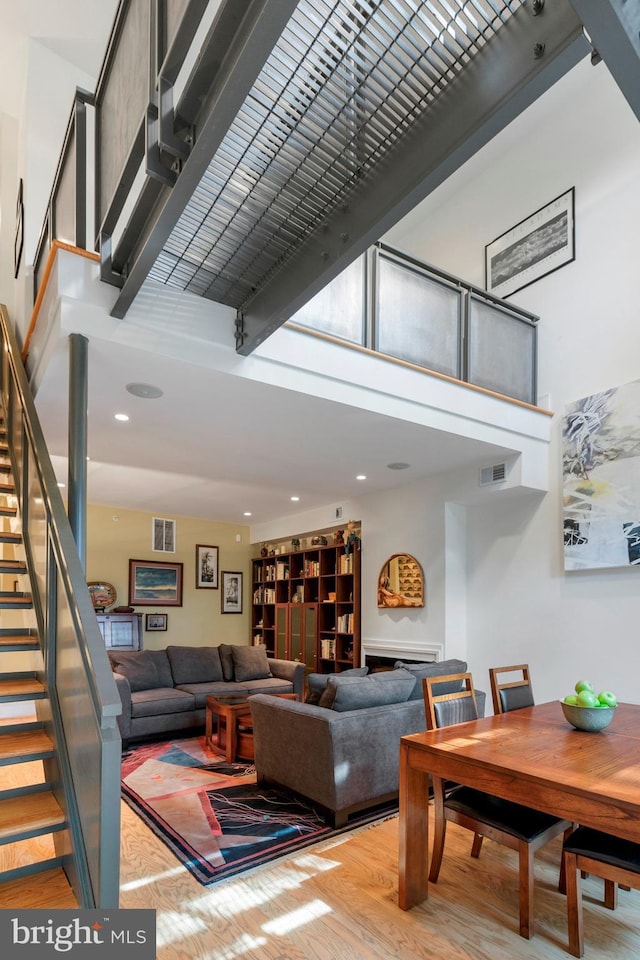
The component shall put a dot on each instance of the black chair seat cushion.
(602, 846)
(515, 819)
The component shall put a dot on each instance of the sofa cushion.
(226, 659)
(250, 663)
(144, 669)
(442, 668)
(153, 703)
(194, 664)
(359, 693)
(317, 682)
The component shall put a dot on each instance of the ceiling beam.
(529, 53)
(614, 29)
(239, 43)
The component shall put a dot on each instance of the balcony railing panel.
(501, 350)
(64, 227)
(411, 311)
(122, 98)
(339, 309)
(418, 318)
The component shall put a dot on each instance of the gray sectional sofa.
(340, 748)
(164, 691)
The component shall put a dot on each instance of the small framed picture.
(206, 567)
(231, 596)
(156, 621)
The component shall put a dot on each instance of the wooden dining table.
(533, 756)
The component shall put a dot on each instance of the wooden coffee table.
(234, 737)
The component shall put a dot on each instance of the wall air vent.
(493, 474)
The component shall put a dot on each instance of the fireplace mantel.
(402, 649)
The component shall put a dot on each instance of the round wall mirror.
(401, 582)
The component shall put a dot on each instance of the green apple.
(586, 698)
(607, 699)
(584, 685)
(571, 699)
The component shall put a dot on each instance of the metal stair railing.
(82, 694)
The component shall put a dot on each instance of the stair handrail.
(82, 692)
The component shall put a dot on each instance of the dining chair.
(513, 825)
(511, 694)
(614, 860)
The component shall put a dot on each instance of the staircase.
(33, 826)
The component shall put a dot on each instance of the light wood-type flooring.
(337, 900)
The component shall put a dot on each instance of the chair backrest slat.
(511, 694)
(442, 710)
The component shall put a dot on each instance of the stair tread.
(34, 811)
(19, 640)
(24, 743)
(10, 537)
(11, 688)
(12, 565)
(49, 890)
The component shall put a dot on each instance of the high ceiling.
(214, 445)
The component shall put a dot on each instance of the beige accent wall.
(112, 543)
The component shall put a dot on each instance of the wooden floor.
(338, 901)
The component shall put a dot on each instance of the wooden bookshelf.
(306, 606)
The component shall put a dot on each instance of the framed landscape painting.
(155, 584)
(538, 245)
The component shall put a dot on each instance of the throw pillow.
(144, 669)
(444, 667)
(226, 659)
(317, 682)
(250, 663)
(360, 693)
(195, 664)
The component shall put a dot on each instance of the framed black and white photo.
(206, 567)
(535, 247)
(231, 596)
(156, 621)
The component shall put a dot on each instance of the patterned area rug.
(212, 814)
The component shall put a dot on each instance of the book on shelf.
(346, 563)
(328, 649)
(282, 570)
(345, 623)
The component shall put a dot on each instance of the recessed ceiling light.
(121, 416)
(295, 498)
(146, 391)
(247, 513)
(361, 476)
(62, 484)
(399, 465)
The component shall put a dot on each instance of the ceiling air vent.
(494, 474)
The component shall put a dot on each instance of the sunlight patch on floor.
(172, 926)
(156, 878)
(296, 918)
(243, 946)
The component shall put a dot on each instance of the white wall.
(495, 586)
(521, 606)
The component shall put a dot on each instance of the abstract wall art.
(601, 479)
